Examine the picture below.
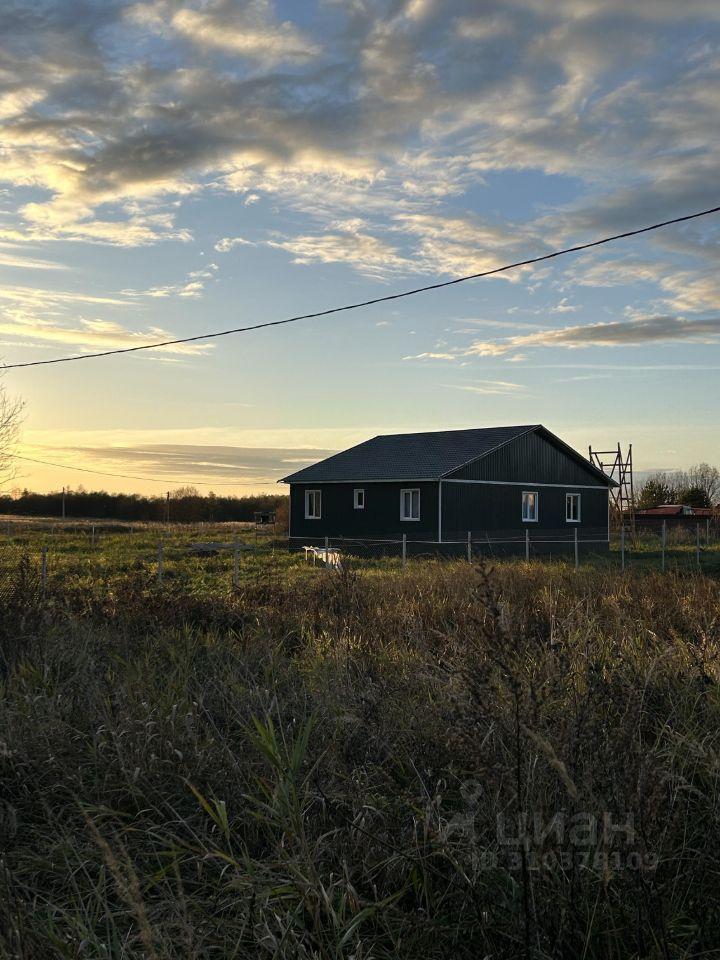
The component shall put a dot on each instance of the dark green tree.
(655, 491)
(694, 497)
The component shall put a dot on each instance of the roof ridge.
(430, 433)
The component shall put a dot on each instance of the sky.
(173, 168)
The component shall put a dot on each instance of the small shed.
(438, 488)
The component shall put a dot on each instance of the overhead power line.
(165, 480)
(367, 303)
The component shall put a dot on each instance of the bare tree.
(11, 409)
(706, 478)
(698, 487)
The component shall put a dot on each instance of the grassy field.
(450, 760)
(96, 554)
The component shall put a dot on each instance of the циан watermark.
(595, 840)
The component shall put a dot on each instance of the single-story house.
(492, 483)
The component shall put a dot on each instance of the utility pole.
(63, 503)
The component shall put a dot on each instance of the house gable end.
(537, 456)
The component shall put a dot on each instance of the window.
(572, 507)
(359, 499)
(410, 504)
(313, 504)
(529, 507)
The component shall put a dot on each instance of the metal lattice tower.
(618, 466)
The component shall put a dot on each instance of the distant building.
(494, 482)
(674, 514)
(666, 510)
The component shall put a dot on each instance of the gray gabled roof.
(420, 456)
(408, 456)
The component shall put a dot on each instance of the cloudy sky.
(169, 168)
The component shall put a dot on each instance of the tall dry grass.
(452, 762)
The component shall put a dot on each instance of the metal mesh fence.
(662, 547)
(38, 560)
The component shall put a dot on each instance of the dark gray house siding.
(495, 511)
(380, 518)
(459, 492)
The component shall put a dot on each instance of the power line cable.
(366, 303)
(166, 480)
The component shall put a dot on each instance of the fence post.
(43, 568)
(697, 544)
(707, 532)
(160, 564)
(664, 542)
(577, 551)
(527, 545)
(404, 551)
(92, 536)
(327, 550)
(236, 565)
(622, 547)
(469, 546)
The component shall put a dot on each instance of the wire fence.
(42, 557)
(662, 546)
(36, 560)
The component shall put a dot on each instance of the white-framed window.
(359, 498)
(572, 507)
(410, 504)
(313, 504)
(530, 506)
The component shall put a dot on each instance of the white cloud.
(249, 32)
(37, 297)
(432, 355)
(467, 244)
(348, 245)
(694, 290)
(39, 317)
(618, 333)
(226, 244)
(28, 263)
(501, 388)
(483, 27)
(191, 290)
(563, 307)
(92, 334)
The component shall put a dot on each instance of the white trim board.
(440, 483)
(531, 483)
(308, 483)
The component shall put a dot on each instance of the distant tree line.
(184, 505)
(697, 487)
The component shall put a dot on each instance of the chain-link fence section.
(661, 547)
(36, 561)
